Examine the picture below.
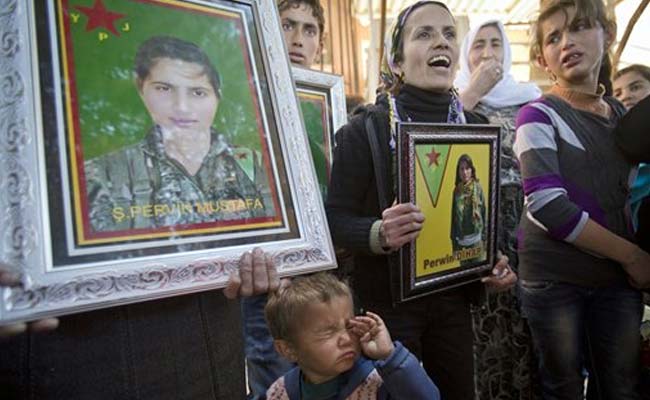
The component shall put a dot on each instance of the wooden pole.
(382, 32)
(628, 32)
(329, 40)
(356, 87)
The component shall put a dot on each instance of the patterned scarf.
(471, 195)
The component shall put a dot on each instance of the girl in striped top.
(580, 270)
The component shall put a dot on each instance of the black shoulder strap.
(378, 163)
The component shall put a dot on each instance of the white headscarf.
(507, 92)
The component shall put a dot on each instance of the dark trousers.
(186, 347)
(577, 327)
(437, 329)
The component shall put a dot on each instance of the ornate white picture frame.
(48, 102)
(322, 100)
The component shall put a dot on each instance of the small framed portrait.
(322, 102)
(451, 173)
(146, 145)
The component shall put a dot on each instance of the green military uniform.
(468, 212)
(141, 187)
(468, 219)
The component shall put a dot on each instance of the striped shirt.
(572, 171)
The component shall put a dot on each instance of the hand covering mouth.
(439, 61)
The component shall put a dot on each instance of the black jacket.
(353, 203)
(633, 138)
(632, 133)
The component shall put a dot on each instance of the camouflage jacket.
(141, 187)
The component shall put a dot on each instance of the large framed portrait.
(322, 102)
(452, 173)
(144, 146)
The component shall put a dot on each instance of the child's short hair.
(284, 309)
(642, 70)
(317, 11)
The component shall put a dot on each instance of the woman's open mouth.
(439, 61)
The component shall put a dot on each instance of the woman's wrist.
(382, 235)
(470, 99)
(628, 254)
(377, 239)
(599, 240)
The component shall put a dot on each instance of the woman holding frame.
(418, 72)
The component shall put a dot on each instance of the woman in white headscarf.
(503, 346)
(487, 86)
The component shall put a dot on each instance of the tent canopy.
(508, 11)
(366, 34)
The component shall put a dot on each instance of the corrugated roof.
(516, 13)
(522, 12)
(508, 11)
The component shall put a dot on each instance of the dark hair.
(397, 43)
(352, 102)
(468, 161)
(640, 69)
(157, 47)
(316, 11)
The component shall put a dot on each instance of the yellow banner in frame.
(447, 242)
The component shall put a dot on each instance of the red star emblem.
(100, 17)
(433, 157)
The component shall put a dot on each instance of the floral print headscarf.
(392, 80)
